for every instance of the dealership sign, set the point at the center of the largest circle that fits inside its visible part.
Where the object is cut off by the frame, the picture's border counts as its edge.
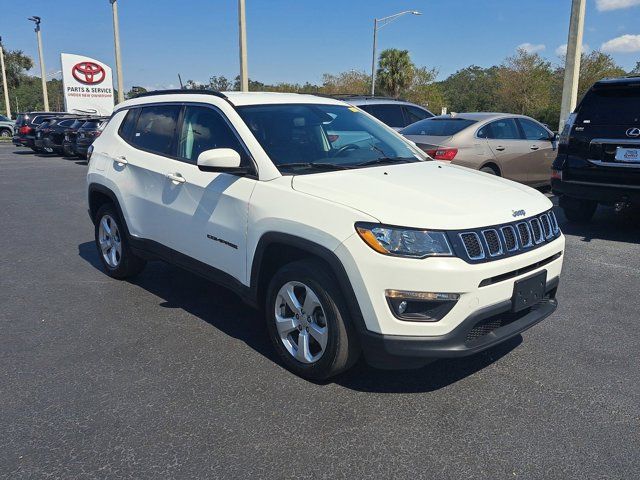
(88, 85)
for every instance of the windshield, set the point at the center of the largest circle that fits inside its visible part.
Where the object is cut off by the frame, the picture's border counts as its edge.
(438, 127)
(300, 138)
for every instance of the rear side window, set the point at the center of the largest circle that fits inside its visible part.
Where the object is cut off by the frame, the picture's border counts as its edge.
(438, 127)
(415, 114)
(128, 124)
(504, 129)
(66, 123)
(389, 114)
(156, 128)
(617, 105)
(533, 131)
(203, 129)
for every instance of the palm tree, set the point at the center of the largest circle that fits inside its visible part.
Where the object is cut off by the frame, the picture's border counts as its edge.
(395, 71)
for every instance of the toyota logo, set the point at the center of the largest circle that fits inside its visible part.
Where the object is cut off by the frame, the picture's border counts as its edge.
(88, 72)
(633, 132)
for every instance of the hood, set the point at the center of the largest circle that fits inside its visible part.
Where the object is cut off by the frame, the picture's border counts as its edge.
(431, 194)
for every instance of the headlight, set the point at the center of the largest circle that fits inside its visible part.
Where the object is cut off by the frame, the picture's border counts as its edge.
(404, 242)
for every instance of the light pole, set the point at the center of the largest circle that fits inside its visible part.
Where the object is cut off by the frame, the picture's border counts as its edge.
(5, 87)
(379, 23)
(116, 41)
(242, 24)
(45, 94)
(572, 61)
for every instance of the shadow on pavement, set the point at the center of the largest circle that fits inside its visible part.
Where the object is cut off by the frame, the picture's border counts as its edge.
(225, 311)
(607, 224)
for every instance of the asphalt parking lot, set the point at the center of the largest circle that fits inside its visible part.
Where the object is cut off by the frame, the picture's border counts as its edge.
(170, 376)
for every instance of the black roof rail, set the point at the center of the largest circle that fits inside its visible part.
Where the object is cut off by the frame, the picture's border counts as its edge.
(173, 91)
(342, 96)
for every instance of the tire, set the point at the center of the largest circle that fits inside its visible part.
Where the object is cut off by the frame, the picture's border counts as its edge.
(577, 210)
(5, 133)
(116, 257)
(489, 170)
(329, 315)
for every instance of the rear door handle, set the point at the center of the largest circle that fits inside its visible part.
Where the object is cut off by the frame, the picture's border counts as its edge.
(122, 160)
(534, 147)
(176, 178)
(500, 148)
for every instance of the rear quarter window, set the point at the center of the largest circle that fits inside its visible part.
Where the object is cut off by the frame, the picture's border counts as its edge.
(128, 124)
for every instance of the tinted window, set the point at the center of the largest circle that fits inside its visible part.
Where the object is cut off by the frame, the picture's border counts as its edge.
(505, 129)
(438, 127)
(39, 119)
(533, 131)
(415, 114)
(156, 128)
(203, 129)
(389, 114)
(611, 106)
(20, 119)
(128, 124)
(66, 123)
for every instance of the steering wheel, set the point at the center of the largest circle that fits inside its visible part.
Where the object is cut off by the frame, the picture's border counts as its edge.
(346, 148)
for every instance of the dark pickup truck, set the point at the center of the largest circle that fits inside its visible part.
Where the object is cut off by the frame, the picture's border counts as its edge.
(598, 158)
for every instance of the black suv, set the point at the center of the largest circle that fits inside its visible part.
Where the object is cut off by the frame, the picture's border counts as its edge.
(26, 124)
(599, 150)
(50, 134)
(70, 134)
(90, 130)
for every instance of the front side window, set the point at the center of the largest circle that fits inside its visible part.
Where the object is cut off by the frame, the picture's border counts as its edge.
(302, 138)
(533, 131)
(504, 129)
(155, 129)
(389, 114)
(203, 129)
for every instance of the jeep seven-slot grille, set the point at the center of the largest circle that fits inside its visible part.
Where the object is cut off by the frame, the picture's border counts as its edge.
(500, 241)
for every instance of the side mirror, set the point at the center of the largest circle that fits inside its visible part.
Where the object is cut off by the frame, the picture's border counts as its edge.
(220, 160)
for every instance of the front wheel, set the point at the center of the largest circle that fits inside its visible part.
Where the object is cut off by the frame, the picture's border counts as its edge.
(116, 255)
(308, 321)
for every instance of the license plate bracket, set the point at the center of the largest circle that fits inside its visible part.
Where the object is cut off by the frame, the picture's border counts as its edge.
(528, 291)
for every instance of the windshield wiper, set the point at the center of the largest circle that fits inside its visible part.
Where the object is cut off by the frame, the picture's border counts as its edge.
(382, 160)
(314, 165)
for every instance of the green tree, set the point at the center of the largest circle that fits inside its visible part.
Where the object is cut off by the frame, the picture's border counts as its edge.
(424, 90)
(596, 66)
(395, 71)
(524, 84)
(351, 82)
(471, 89)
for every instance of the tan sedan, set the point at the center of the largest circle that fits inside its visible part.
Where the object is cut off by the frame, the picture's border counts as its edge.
(512, 146)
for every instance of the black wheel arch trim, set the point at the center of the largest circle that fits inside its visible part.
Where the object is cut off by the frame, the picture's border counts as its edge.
(314, 249)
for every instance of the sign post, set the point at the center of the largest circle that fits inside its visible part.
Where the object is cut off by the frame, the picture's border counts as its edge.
(88, 85)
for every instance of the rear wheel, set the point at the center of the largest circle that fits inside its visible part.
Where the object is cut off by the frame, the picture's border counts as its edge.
(308, 321)
(113, 245)
(577, 210)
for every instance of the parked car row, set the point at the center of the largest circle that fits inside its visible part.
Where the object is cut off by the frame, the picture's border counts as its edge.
(57, 132)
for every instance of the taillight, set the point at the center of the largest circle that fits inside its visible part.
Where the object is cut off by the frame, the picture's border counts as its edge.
(563, 138)
(447, 154)
(24, 130)
(556, 174)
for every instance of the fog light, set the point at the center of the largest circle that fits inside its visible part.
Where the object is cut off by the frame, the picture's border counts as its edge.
(420, 306)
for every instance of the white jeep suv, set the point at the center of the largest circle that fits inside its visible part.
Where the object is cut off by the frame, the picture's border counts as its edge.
(350, 238)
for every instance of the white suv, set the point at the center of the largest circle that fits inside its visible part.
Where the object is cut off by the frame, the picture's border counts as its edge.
(369, 247)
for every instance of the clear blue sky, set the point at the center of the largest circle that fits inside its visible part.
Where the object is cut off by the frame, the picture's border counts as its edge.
(299, 40)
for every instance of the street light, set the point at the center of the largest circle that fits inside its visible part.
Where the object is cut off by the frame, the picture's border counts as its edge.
(45, 94)
(5, 87)
(379, 23)
(116, 41)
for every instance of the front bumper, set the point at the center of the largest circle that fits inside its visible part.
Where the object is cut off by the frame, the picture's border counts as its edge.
(481, 330)
(603, 193)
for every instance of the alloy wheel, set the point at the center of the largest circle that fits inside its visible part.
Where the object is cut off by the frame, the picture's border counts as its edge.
(110, 241)
(301, 322)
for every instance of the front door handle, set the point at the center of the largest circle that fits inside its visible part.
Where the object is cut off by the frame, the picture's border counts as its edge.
(500, 148)
(534, 147)
(176, 178)
(122, 160)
